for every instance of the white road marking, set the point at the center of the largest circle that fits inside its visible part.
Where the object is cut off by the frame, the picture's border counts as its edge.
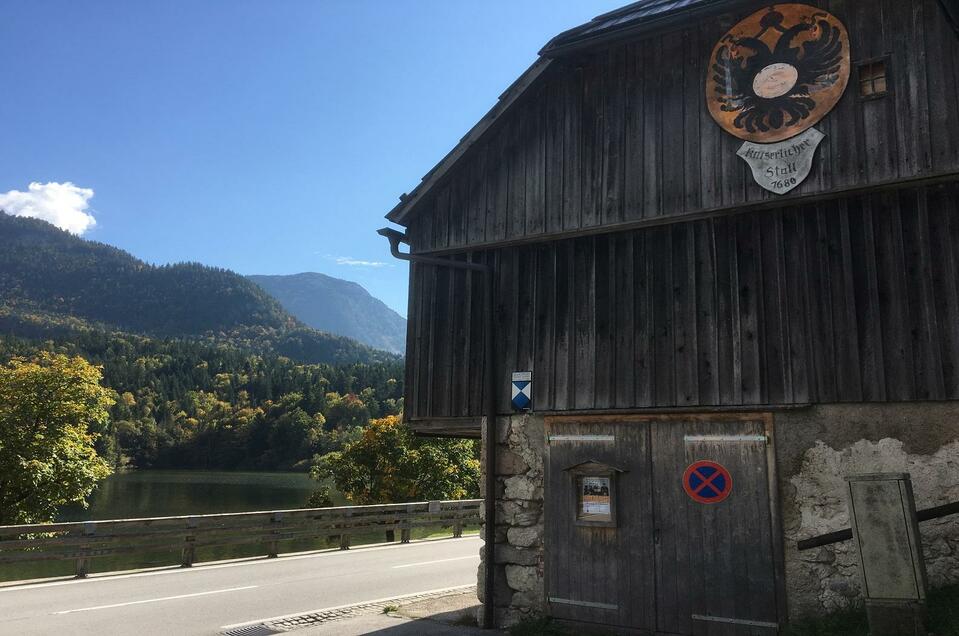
(157, 600)
(205, 567)
(413, 565)
(330, 609)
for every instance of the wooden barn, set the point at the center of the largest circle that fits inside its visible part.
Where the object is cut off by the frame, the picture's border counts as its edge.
(699, 262)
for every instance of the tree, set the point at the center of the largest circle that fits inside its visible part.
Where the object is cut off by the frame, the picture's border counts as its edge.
(388, 464)
(47, 458)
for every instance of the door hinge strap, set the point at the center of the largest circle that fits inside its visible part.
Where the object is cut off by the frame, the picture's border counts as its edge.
(582, 438)
(735, 621)
(725, 438)
(566, 601)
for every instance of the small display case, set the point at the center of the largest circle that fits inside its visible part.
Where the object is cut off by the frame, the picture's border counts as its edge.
(594, 485)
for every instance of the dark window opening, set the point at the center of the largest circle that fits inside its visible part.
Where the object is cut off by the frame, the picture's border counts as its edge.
(873, 79)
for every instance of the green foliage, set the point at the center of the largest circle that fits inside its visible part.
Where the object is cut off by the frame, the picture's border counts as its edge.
(47, 458)
(388, 464)
(184, 404)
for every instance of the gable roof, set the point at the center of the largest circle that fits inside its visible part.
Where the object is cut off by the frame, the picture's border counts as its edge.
(619, 23)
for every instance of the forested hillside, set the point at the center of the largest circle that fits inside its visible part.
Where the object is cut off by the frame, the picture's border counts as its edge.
(49, 277)
(185, 404)
(338, 306)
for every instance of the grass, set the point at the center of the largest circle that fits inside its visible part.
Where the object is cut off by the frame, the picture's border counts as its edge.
(943, 605)
(387, 609)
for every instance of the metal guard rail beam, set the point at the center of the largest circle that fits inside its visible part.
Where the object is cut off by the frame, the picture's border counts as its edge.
(846, 533)
(85, 540)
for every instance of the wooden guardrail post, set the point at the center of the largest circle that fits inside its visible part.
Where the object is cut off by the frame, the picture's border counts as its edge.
(274, 548)
(188, 553)
(344, 534)
(83, 562)
(405, 532)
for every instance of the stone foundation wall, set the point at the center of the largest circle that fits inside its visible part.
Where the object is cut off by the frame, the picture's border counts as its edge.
(817, 447)
(519, 519)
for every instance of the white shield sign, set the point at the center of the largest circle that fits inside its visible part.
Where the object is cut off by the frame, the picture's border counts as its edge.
(782, 166)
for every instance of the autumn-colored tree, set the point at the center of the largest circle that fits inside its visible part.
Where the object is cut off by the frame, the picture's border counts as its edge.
(388, 464)
(47, 458)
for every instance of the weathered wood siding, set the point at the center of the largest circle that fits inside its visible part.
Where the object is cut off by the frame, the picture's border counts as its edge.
(850, 299)
(622, 135)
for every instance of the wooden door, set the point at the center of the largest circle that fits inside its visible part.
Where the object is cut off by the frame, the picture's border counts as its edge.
(693, 560)
(715, 562)
(600, 574)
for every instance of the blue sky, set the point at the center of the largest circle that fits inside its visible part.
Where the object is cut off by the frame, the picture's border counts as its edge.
(268, 137)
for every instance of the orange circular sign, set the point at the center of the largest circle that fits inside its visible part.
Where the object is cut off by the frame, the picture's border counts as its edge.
(778, 72)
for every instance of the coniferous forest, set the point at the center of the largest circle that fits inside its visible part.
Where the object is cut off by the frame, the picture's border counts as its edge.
(208, 370)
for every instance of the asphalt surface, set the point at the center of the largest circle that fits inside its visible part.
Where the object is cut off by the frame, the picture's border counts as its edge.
(206, 598)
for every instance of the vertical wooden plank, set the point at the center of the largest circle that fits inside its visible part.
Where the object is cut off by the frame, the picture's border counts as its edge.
(706, 312)
(604, 327)
(750, 307)
(543, 362)
(443, 344)
(624, 328)
(516, 198)
(907, 36)
(555, 113)
(441, 217)
(477, 336)
(672, 98)
(643, 328)
(664, 358)
(427, 366)
(942, 88)
(573, 132)
(497, 184)
(536, 164)
(415, 329)
(777, 375)
(459, 206)
(710, 135)
(819, 306)
(584, 311)
(944, 234)
(728, 319)
(460, 342)
(476, 205)
(793, 238)
(594, 125)
(563, 313)
(927, 360)
(652, 129)
(693, 107)
(683, 301)
(862, 240)
(525, 308)
(633, 157)
(614, 136)
(843, 301)
(897, 345)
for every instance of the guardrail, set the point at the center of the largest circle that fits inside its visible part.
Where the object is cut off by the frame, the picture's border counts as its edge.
(86, 540)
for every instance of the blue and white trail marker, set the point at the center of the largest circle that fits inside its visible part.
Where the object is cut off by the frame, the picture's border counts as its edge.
(522, 390)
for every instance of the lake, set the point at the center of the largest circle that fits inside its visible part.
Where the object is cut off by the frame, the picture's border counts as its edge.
(160, 493)
(163, 493)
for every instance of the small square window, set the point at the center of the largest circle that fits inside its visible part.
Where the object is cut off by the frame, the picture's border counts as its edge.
(873, 79)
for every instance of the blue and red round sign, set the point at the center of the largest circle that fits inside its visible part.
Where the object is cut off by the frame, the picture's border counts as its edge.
(707, 482)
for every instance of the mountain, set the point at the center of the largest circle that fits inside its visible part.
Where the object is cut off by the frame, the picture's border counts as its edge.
(50, 279)
(338, 306)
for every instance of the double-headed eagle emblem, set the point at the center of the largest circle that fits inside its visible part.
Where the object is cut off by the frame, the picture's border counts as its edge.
(778, 72)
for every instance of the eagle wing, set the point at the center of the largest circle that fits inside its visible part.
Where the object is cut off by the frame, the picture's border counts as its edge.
(733, 78)
(821, 59)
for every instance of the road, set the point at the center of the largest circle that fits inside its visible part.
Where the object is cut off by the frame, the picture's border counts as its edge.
(205, 598)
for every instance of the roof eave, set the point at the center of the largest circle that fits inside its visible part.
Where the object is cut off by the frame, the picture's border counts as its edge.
(515, 90)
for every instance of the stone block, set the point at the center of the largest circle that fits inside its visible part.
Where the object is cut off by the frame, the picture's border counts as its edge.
(509, 463)
(523, 487)
(525, 537)
(518, 556)
(524, 578)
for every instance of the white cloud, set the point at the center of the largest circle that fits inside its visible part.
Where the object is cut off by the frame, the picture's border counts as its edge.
(62, 204)
(353, 262)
